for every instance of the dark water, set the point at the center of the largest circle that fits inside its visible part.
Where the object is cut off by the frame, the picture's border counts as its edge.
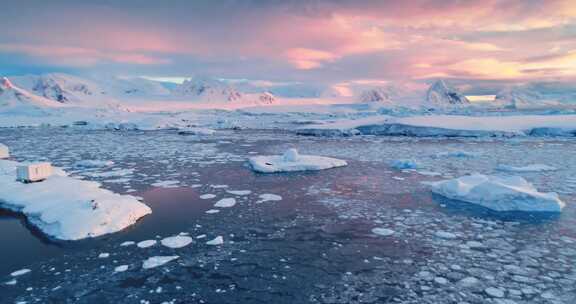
(316, 244)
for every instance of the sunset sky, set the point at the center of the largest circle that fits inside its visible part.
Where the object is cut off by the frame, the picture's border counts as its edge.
(319, 41)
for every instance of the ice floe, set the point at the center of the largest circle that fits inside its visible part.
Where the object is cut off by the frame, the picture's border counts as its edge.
(177, 241)
(156, 261)
(239, 192)
(20, 272)
(67, 208)
(146, 243)
(498, 193)
(225, 203)
(166, 184)
(269, 197)
(219, 240)
(291, 161)
(121, 268)
(383, 231)
(207, 196)
(4, 151)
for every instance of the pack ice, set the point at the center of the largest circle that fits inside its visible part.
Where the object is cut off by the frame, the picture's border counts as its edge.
(291, 161)
(66, 208)
(511, 193)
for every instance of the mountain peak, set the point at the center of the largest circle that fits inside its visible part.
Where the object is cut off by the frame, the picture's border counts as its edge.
(442, 94)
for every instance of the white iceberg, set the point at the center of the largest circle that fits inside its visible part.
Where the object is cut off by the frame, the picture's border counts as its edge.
(66, 208)
(498, 193)
(225, 203)
(291, 161)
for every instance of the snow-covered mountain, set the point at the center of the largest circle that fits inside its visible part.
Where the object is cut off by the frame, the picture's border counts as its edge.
(13, 98)
(441, 94)
(208, 89)
(521, 98)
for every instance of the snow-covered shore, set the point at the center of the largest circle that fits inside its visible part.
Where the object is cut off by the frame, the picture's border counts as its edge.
(66, 208)
(449, 125)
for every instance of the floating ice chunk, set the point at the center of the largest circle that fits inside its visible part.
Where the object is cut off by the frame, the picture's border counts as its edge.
(156, 261)
(498, 193)
(212, 211)
(292, 161)
(92, 163)
(4, 151)
(403, 164)
(207, 196)
(445, 235)
(239, 192)
(219, 186)
(178, 241)
(219, 240)
(225, 203)
(166, 184)
(20, 272)
(383, 231)
(121, 268)
(196, 131)
(528, 168)
(127, 243)
(146, 243)
(269, 197)
(67, 208)
(104, 255)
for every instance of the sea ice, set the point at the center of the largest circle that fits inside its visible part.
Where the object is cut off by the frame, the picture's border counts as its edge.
(67, 208)
(20, 272)
(178, 241)
(156, 261)
(269, 197)
(219, 240)
(121, 268)
(383, 231)
(146, 243)
(207, 196)
(225, 203)
(498, 193)
(528, 168)
(239, 192)
(166, 184)
(292, 161)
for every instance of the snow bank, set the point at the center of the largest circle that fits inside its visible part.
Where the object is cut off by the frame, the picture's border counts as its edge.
(291, 161)
(66, 208)
(498, 193)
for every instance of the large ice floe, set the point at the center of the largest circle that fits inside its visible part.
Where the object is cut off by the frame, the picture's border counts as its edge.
(498, 193)
(66, 208)
(291, 161)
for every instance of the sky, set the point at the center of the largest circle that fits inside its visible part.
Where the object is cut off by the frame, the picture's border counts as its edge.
(474, 42)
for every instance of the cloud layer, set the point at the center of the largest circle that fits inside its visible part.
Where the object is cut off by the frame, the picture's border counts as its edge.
(322, 41)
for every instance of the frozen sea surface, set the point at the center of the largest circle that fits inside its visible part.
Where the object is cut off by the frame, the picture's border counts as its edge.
(315, 245)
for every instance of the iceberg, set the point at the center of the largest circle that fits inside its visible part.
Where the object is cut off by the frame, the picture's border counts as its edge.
(291, 161)
(66, 208)
(512, 193)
